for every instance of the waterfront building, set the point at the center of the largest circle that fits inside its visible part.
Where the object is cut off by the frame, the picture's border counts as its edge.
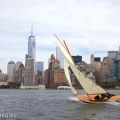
(17, 65)
(39, 66)
(102, 74)
(54, 74)
(29, 71)
(39, 72)
(39, 78)
(21, 73)
(1, 76)
(5, 77)
(115, 66)
(95, 64)
(112, 54)
(117, 69)
(60, 56)
(32, 48)
(10, 70)
(16, 74)
(100, 69)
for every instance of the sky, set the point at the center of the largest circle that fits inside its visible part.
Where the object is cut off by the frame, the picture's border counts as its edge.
(87, 26)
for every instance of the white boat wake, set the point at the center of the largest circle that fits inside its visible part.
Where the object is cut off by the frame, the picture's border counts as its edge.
(73, 99)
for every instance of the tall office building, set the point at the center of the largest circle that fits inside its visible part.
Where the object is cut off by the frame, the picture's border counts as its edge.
(60, 56)
(39, 72)
(21, 73)
(32, 47)
(39, 66)
(17, 65)
(16, 74)
(10, 70)
(29, 72)
(112, 54)
(77, 59)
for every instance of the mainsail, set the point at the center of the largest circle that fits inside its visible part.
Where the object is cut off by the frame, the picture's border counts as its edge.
(88, 85)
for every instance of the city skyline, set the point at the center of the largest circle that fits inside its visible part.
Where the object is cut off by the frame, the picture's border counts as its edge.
(88, 27)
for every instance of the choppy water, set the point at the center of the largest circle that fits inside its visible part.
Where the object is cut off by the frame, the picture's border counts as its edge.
(54, 105)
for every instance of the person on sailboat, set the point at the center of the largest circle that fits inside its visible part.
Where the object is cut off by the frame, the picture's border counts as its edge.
(98, 97)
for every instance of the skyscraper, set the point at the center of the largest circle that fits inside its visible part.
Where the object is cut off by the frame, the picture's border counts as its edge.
(32, 46)
(32, 49)
(77, 59)
(39, 66)
(29, 71)
(10, 70)
(60, 57)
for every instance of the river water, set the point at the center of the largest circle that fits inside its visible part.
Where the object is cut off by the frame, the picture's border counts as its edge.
(17, 104)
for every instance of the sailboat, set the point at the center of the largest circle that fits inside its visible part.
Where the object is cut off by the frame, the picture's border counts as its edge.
(94, 92)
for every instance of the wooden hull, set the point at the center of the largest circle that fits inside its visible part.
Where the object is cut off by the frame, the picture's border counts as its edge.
(90, 98)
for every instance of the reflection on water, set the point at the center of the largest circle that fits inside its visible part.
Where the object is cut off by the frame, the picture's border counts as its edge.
(54, 105)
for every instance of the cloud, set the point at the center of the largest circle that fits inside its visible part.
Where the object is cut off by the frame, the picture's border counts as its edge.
(88, 27)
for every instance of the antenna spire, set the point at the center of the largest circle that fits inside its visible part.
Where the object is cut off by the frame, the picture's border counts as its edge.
(32, 30)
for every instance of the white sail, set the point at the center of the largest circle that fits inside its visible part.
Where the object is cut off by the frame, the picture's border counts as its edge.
(68, 76)
(88, 85)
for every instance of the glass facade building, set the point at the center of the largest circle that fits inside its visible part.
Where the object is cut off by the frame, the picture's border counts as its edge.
(77, 59)
(39, 66)
(112, 70)
(31, 46)
(117, 69)
(112, 54)
(97, 59)
(32, 49)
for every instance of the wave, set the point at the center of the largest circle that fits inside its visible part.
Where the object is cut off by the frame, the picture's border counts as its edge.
(73, 99)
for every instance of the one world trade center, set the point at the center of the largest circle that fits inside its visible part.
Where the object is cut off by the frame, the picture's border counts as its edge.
(32, 48)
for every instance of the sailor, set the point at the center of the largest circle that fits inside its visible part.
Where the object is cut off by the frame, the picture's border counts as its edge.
(100, 96)
(96, 97)
(105, 98)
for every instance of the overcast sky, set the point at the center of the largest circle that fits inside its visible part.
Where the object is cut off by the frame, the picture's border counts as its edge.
(87, 26)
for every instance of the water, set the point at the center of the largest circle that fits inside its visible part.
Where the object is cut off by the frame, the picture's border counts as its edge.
(54, 105)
